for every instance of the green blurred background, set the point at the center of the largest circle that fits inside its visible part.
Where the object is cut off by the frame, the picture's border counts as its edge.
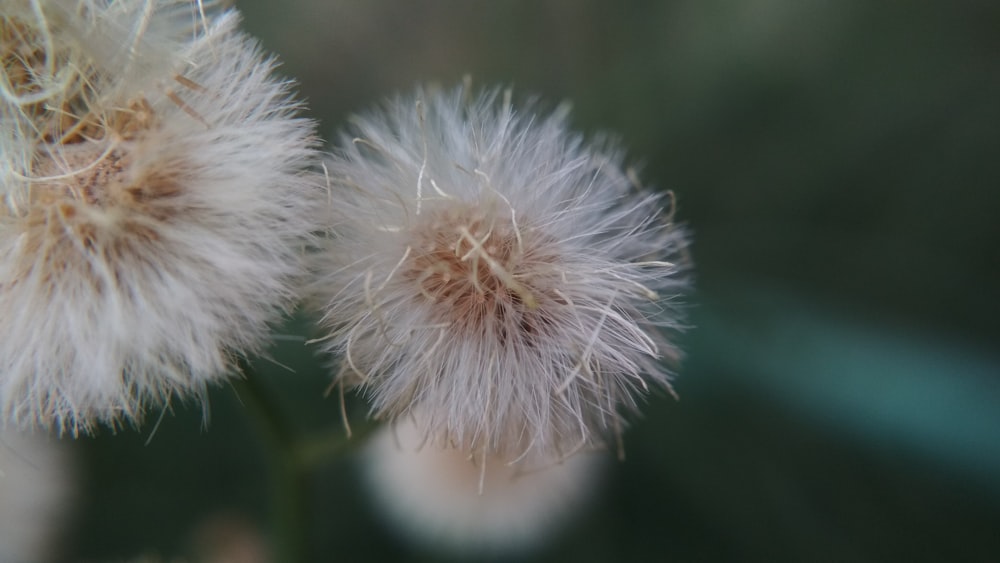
(838, 165)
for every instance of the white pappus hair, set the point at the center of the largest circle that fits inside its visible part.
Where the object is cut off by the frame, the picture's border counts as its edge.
(155, 192)
(497, 271)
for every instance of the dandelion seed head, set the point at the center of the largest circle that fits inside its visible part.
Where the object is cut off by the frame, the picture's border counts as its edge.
(499, 272)
(443, 497)
(149, 240)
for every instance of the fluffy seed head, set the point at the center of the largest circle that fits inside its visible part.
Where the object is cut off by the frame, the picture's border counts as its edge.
(493, 269)
(444, 497)
(154, 202)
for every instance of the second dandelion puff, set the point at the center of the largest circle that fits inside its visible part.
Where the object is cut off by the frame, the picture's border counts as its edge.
(499, 273)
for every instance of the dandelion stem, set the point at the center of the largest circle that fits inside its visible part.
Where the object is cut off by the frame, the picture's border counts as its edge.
(293, 458)
(289, 480)
(325, 447)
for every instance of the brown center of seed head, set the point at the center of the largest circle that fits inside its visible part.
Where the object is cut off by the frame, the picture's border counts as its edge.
(84, 175)
(78, 174)
(485, 275)
(87, 203)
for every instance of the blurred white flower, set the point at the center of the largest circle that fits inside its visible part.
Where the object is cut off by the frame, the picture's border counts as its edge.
(493, 269)
(155, 199)
(444, 498)
(36, 492)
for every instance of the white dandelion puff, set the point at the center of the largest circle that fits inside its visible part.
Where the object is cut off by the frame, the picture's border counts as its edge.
(155, 199)
(441, 496)
(497, 271)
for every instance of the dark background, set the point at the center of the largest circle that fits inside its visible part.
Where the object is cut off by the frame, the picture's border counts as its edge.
(838, 165)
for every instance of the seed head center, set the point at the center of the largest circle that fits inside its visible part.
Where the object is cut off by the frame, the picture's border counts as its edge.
(471, 264)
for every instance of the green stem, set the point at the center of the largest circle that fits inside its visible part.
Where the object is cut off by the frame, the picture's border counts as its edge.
(292, 461)
(288, 493)
(314, 451)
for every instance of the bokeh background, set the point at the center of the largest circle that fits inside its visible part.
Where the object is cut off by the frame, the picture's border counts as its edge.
(839, 166)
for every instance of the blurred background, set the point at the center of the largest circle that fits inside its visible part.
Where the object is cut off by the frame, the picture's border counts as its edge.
(839, 166)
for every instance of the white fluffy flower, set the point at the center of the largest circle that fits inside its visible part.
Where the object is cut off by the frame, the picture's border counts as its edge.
(154, 202)
(495, 270)
(443, 497)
